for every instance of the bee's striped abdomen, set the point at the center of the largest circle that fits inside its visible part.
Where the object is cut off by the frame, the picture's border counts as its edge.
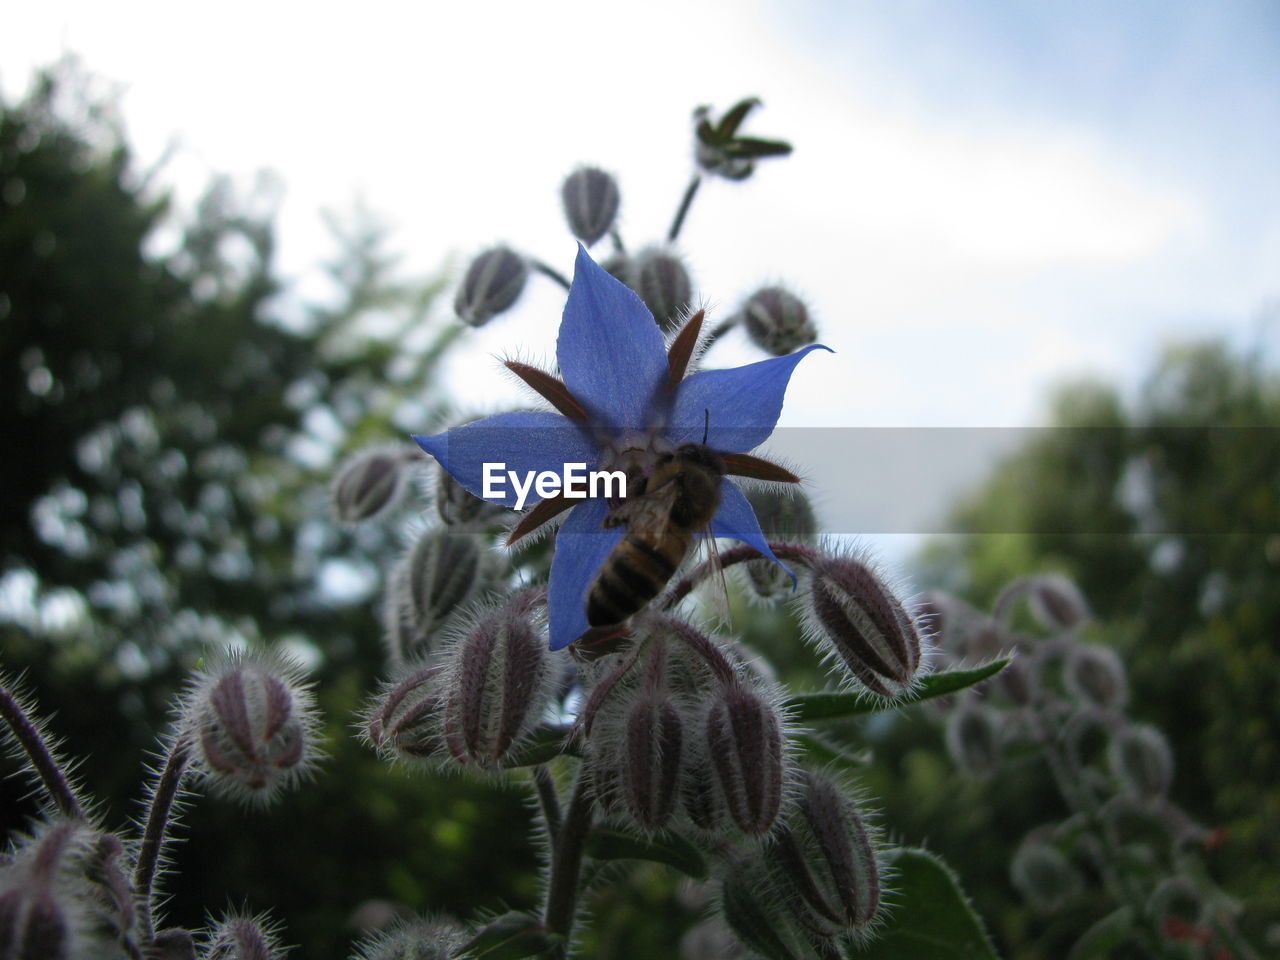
(633, 574)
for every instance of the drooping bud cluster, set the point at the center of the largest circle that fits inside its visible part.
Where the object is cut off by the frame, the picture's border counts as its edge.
(369, 485)
(492, 284)
(862, 626)
(498, 677)
(778, 321)
(590, 198)
(252, 724)
(243, 938)
(420, 939)
(662, 281)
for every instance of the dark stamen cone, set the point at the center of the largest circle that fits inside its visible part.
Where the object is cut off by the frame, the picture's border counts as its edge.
(744, 740)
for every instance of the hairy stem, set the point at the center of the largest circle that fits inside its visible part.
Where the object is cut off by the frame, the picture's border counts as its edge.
(42, 759)
(549, 271)
(798, 553)
(718, 331)
(685, 203)
(156, 830)
(566, 863)
(548, 800)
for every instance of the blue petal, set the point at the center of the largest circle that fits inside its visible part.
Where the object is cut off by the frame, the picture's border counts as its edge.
(736, 520)
(525, 441)
(611, 353)
(740, 406)
(581, 547)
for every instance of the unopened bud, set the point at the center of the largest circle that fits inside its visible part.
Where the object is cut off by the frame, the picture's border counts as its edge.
(1057, 603)
(367, 485)
(784, 514)
(456, 505)
(173, 944)
(1020, 679)
(1046, 879)
(404, 722)
(590, 198)
(777, 321)
(651, 771)
(744, 740)
(499, 677)
(1096, 675)
(493, 282)
(253, 725)
(973, 741)
(865, 627)
(243, 938)
(427, 939)
(618, 266)
(699, 794)
(831, 857)
(442, 574)
(757, 906)
(1142, 760)
(663, 283)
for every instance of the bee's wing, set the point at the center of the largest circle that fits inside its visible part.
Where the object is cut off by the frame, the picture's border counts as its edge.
(649, 509)
(716, 595)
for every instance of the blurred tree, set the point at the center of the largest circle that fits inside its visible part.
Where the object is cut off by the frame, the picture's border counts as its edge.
(1166, 510)
(170, 439)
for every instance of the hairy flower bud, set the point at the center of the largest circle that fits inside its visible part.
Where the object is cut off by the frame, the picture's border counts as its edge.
(418, 939)
(778, 321)
(243, 938)
(498, 677)
(651, 772)
(1020, 679)
(784, 514)
(253, 725)
(663, 283)
(1057, 603)
(745, 743)
(1096, 675)
(456, 505)
(758, 906)
(368, 485)
(1046, 879)
(404, 721)
(441, 574)
(865, 627)
(830, 856)
(973, 741)
(590, 197)
(1142, 760)
(173, 944)
(493, 282)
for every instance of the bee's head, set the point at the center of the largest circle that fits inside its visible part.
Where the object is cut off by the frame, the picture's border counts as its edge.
(700, 455)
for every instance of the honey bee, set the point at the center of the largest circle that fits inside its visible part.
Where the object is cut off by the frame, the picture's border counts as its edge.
(677, 500)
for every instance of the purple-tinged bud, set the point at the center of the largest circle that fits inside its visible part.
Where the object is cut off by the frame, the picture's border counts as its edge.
(830, 856)
(1046, 879)
(864, 627)
(1143, 762)
(699, 795)
(973, 741)
(618, 266)
(499, 677)
(1057, 603)
(1020, 680)
(1095, 675)
(745, 743)
(243, 938)
(173, 944)
(425, 939)
(254, 725)
(784, 514)
(591, 199)
(456, 505)
(493, 283)
(368, 485)
(402, 633)
(778, 321)
(985, 641)
(759, 908)
(404, 722)
(45, 931)
(663, 283)
(442, 574)
(651, 771)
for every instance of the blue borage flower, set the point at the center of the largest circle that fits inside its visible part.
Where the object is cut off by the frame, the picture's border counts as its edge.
(623, 401)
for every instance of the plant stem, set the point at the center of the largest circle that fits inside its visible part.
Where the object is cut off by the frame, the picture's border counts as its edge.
(42, 759)
(685, 203)
(566, 863)
(159, 814)
(549, 271)
(545, 784)
(718, 331)
(795, 552)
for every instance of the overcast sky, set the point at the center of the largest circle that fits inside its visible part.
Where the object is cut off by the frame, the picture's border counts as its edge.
(985, 198)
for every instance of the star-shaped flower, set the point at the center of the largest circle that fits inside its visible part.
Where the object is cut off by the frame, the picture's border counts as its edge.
(624, 401)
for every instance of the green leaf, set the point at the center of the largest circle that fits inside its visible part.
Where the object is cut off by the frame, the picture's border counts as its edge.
(821, 751)
(669, 848)
(543, 746)
(930, 919)
(830, 706)
(1099, 940)
(509, 937)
